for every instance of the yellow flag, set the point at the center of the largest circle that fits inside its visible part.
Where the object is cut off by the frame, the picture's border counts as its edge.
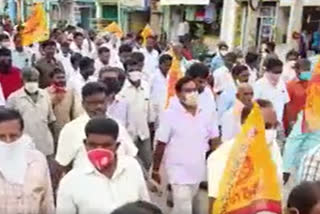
(250, 183)
(115, 29)
(36, 27)
(146, 32)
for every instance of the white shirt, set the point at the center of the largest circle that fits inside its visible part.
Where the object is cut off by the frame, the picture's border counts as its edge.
(66, 62)
(119, 109)
(2, 99)
(84, 50)
(77, 83)
(71, 147)
(230, 125)
(289, 72)
(85, 190)
(140, 111)
(98, 65)
(158, 95)
(223, 79)
(277, 95)
(151, 62)
(253, 75)
(218, 159)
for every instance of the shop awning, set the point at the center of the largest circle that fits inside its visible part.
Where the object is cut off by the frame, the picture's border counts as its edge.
(184, 2)
(305, 2)
(133, 3)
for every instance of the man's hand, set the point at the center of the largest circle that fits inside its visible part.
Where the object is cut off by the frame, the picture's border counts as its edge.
(156, 177)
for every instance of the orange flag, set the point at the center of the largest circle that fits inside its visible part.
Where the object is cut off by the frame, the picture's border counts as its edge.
(115, 29)
(250, 183)
(36, 27)
(146, 32)
(174, 75)
(312, 107)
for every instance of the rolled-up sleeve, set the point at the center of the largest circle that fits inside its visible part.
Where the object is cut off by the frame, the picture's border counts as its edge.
(164, 132)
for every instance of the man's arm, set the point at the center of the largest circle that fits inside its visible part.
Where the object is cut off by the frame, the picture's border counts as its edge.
(157, 158)
(47, 205)
(65, 202)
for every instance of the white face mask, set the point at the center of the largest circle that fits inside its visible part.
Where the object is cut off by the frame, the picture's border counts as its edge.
(271, 135)
(192, 99)
(6, 45)
(223, 53)
(31, 87)
(135, 76)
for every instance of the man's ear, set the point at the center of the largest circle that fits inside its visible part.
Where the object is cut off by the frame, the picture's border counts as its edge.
(292, 210)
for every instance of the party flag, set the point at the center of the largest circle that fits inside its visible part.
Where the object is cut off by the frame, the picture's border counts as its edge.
(115, 29)
(311, 112)
(36, 27)
(250, 183)
(146, 32)
(174, 75)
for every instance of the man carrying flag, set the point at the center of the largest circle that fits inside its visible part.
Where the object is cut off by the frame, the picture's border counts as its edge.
(244, 174)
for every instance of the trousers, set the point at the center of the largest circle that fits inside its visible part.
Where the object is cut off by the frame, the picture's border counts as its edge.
(183, 197)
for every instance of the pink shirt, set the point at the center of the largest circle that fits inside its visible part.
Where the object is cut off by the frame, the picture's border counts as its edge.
(187, 138)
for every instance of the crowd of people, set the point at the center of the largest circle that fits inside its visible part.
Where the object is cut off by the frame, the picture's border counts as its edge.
(87, 123)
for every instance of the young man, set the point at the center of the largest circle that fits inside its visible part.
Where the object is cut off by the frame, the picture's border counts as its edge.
(159, 84)
(85, 75)
(217, 61)
(47, 63)
(252, 61)
(137, 93)
(289, 68)
(10, 76)
(102, 60)
(217, 161)
(231, 119)
(27, 188)
(184, 129)
(21, 56)
(117, 108)
(151, 56)
(77, 46)
(271, 87)
(70, 145)
(297, 93)
(35, 106)
(114, 180)
(65, 104)
(64, 56)
(125, 51)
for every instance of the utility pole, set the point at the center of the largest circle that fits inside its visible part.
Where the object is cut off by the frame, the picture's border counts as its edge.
(155, 16)
(295, 22)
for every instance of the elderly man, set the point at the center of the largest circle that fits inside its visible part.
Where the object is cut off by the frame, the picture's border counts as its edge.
(231, 120)
(27, 188)
(34, 105)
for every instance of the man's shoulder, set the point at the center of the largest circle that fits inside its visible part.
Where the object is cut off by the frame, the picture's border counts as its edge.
(129, 163)
(16, 94)
(221, 153)
(34, 155)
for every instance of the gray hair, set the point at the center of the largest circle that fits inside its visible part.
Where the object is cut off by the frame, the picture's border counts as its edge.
(29, 72)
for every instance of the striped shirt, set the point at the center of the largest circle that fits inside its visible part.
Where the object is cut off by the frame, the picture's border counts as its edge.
(310, 167)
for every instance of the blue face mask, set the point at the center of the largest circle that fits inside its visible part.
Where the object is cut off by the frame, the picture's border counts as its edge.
(306, 75)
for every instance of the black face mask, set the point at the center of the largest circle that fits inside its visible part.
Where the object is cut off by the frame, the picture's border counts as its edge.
(113, 84)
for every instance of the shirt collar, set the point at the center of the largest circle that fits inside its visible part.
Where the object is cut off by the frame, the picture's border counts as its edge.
(23, 94)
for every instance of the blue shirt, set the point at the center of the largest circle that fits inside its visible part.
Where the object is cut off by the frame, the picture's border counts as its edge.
(217, 62)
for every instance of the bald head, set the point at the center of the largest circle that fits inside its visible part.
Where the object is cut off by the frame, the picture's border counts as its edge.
(245, 94)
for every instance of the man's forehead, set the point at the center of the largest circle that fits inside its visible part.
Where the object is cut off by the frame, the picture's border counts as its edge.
(269, 115)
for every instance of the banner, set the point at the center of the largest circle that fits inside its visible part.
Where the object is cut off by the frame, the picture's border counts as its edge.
(36, 27)
(115, 29)
(250, 183)
(184, 2)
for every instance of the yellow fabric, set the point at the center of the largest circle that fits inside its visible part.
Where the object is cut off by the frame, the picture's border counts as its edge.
(147, 31)
(115, 29)
(36, 27)
(174, 75)
(250, 175)
(312, 107)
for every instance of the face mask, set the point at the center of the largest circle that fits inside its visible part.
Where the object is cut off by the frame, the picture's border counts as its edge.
(271, 135)
(273, 78)
(223, 53)
(135, 76)
(101, 158)
(31, 87)
(306, 75)
(292, 63)
(6, 45)
(192, 99)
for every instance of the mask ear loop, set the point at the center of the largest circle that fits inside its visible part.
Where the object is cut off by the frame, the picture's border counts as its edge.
(292, 210)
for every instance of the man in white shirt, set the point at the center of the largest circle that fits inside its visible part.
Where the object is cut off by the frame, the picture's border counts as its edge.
(117, 108)
(86, 66)
(21, 56)
(224, 85)
(159, 86)
(200, 74)
(271, 87)
(183, 138)
(289, 68)
(70, 144)
(102, 60)
(78, 45)
(137, 93)
(231, 120)
(108, 181)
(252, 60)
(64, 56)
(218, 159)
(151, 58)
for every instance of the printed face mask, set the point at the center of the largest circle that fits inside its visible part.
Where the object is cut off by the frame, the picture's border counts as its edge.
(101, 158)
